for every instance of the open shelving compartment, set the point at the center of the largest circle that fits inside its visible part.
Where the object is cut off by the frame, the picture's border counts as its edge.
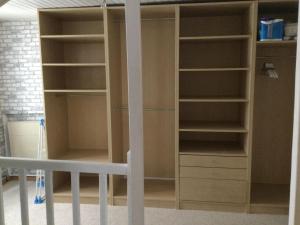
(76, 130)
(71, 22)
(158, 35)
(214, 78)
(279, 9)
(75, 93)
(215, 42)
(81, 79)
(212, 128)
(89, 189)
(272, 129)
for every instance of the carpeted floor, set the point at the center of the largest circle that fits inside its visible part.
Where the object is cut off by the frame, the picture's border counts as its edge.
(118, 215)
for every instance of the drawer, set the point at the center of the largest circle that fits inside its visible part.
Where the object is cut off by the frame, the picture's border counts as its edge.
(213, 173)
(206, 190)
(213, 161)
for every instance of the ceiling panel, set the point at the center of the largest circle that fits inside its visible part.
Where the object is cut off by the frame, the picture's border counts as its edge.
(26, 9)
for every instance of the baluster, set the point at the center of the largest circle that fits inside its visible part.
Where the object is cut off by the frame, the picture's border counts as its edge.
(49, 197)
(23, 197)
(75, 197)
(103, 199)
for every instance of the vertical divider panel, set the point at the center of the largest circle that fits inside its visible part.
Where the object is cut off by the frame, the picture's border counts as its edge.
(24, 197)
(250, 91)
(115, 93)
(108, 94)
(177, 33)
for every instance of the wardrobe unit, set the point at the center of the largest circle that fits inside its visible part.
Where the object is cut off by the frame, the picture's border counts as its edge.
(214, 104)
(207, 110)
(76, 90)
(273, 116)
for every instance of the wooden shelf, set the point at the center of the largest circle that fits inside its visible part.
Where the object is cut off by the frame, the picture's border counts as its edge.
(213, 8)
(290, 43)
(75, 38)
(89, 191)
(212, 99)
(196, 126)
(76, 91)
(95, 155)
(213, 69)
(214, 38)
(74, 64)
(79, 13)
(278, 1)
(270, 198)
(158, 193)
(211, 148)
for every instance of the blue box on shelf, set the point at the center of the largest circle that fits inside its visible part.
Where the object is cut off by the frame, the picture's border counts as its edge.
(271, 29)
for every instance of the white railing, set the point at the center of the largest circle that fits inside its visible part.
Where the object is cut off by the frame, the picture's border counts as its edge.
(73, 167)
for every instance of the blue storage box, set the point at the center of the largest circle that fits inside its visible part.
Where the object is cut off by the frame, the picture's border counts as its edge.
(271, 29)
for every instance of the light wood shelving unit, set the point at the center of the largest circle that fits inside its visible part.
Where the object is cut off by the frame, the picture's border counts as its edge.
(214, 83)
(77, 97)
(158, 35)
(273, 116)
(214, 125)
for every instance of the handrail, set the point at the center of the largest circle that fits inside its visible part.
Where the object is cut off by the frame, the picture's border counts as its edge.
(64, 165)
(74, 168)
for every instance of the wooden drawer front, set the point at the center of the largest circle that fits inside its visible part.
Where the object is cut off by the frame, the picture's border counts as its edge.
(206, 190)
(213, 161)
(213, 173)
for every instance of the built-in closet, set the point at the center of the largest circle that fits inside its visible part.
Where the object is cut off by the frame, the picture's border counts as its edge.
(217, 126)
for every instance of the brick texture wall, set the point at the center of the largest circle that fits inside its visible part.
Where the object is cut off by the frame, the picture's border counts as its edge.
(20, 73)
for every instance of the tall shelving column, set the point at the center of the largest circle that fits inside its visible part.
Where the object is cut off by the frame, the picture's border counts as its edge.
(77, 94)
(158, 95)
(273, 129)
(213, 105)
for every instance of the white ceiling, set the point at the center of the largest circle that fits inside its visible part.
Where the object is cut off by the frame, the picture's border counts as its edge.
(26, 9)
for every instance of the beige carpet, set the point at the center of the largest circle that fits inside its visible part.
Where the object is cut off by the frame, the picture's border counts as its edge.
(118, 215)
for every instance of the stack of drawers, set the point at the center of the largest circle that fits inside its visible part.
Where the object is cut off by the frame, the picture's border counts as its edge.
(219, 180)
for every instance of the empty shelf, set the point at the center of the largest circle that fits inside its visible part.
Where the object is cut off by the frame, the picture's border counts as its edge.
(213, 69)
(211, 148)
(270, 198)
(76, 91)
(75, 38)
(289, 43)
(196, 126)
(74, 64)
(95, 155)
(214, 38)
(158, 193)
(212, 99)
(89, 190)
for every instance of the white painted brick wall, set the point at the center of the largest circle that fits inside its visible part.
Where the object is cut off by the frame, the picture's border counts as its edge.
(20, 71)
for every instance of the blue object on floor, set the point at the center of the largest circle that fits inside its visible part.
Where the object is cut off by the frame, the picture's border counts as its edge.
(38, 200)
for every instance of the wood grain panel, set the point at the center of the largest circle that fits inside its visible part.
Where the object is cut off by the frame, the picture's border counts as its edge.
(213, 161)
(87, 122)
(213, 190)
(213, 173)
(272, 136)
